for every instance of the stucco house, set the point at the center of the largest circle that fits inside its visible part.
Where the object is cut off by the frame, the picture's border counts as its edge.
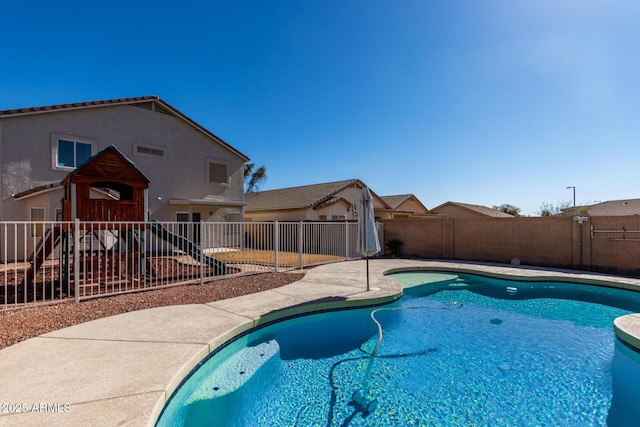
(608, 208)
(193, 174)
(406, 206)
(331, 201)
(466, 210)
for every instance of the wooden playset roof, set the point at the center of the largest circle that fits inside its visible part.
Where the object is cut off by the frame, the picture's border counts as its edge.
(109, 165)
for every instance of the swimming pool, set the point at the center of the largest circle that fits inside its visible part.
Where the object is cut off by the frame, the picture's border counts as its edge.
(499, 359)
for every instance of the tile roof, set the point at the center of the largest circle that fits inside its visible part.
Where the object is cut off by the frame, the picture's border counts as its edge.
(162, 106)
(483, 210)
(38, 189)
(76, 105)
(303, 197)
(397, 200)
(608, 208)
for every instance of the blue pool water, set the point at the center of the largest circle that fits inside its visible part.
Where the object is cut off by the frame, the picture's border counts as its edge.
(512, 354)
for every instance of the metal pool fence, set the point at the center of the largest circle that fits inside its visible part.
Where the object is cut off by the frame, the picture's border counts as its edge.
(47, 262)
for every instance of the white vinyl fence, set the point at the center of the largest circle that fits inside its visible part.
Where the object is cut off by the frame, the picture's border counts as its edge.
(48, 262)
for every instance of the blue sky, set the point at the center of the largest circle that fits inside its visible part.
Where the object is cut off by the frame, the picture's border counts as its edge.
(476, 101)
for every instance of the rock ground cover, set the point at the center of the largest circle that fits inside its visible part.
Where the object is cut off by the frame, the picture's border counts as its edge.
(19, 325)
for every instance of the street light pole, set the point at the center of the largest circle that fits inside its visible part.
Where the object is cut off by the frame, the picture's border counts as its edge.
(574, 194)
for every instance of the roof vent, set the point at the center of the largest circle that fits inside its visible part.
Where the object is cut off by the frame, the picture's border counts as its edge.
(145, 105)
(153, 106)
(159, 109)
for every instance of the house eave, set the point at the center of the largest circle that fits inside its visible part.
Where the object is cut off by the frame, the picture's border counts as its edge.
(206, 202)
(291, 208)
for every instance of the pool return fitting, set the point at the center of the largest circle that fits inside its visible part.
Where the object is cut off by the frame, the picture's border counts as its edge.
(360, 396)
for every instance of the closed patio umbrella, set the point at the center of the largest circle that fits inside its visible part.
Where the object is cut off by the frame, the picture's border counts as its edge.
(368, 242)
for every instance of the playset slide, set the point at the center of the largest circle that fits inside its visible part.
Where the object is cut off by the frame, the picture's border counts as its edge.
(188, 247)
(43, 249)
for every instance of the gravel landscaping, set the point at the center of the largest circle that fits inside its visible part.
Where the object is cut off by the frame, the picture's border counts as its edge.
(19, 325)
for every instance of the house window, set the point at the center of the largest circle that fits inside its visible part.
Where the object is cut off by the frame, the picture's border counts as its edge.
(218, 173)
(70, 152)
(37, 214)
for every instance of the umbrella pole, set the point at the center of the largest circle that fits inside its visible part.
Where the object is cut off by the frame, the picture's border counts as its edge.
(367, 272)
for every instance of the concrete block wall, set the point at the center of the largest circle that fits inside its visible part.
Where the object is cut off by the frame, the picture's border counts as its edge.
(533, 241)
(615, 245)
(560, 242)
(424, 238)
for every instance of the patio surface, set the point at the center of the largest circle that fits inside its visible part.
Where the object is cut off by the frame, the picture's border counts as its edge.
(120, 370)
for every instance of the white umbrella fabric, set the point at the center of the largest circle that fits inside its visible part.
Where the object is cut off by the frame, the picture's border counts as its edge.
(368, 241)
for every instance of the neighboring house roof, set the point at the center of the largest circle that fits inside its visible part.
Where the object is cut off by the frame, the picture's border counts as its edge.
(304, 197)
(397, 200)
(478, 209)
(331, 201)
(149, 102)
(608, 208)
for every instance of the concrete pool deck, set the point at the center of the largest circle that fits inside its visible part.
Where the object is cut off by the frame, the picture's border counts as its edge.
(121, 370)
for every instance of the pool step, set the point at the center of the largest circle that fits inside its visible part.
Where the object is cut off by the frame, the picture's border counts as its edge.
(458, 283)
(235, 371)
(465, 283)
